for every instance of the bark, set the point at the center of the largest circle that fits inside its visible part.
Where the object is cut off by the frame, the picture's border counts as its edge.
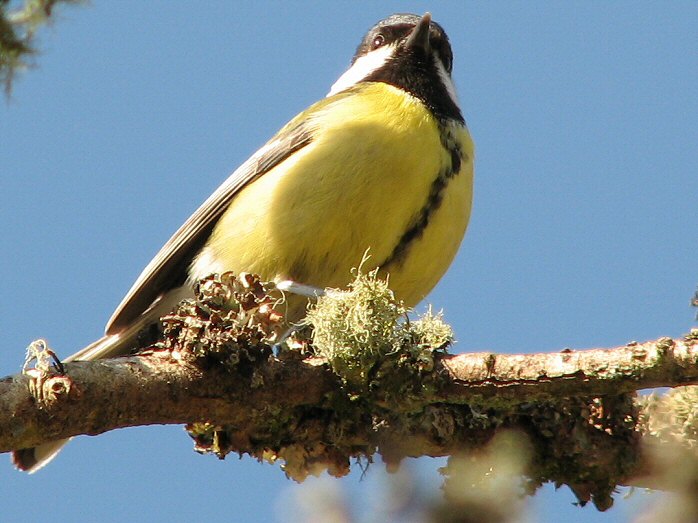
(576, 412)
(154, 387)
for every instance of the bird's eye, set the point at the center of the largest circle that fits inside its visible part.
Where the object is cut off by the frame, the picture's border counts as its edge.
(377, 41)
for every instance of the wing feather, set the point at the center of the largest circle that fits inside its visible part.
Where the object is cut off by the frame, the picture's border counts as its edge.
(169, 269)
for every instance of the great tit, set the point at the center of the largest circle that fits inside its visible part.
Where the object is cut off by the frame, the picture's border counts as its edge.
(383, 164)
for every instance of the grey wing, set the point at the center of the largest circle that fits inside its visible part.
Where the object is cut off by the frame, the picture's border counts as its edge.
(169, 269)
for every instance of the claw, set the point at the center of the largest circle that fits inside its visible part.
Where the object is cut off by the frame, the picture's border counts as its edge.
(47, 379)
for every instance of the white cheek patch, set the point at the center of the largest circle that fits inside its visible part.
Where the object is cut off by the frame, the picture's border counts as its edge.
(363, 66)
(446, 80)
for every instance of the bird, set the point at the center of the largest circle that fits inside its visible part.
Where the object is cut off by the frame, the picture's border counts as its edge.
(383, 164)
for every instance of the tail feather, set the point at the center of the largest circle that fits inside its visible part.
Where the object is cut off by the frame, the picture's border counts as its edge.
(32, 459)
(122, 342)
(36, 458)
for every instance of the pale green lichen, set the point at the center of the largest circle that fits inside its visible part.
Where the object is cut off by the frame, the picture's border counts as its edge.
(388, 375)
(431, 330)
(692, 336)
(364, 326)
(671, 416)
(355, 328)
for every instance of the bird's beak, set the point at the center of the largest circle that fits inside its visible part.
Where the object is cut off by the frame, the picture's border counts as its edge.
(419, 39)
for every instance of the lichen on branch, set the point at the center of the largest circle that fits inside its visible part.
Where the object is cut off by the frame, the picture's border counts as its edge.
(316, 403)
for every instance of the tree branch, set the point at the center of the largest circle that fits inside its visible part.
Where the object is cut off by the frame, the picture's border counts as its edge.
(664, 362)
(577, 410)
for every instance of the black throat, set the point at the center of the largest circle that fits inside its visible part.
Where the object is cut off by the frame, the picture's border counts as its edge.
(415, 72)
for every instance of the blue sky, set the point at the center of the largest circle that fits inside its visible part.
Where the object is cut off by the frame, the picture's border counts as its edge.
(583, 232)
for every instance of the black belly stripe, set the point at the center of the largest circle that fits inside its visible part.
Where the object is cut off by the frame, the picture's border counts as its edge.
(436, 192)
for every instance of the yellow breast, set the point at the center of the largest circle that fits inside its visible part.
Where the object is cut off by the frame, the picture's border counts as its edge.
(359, 185)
